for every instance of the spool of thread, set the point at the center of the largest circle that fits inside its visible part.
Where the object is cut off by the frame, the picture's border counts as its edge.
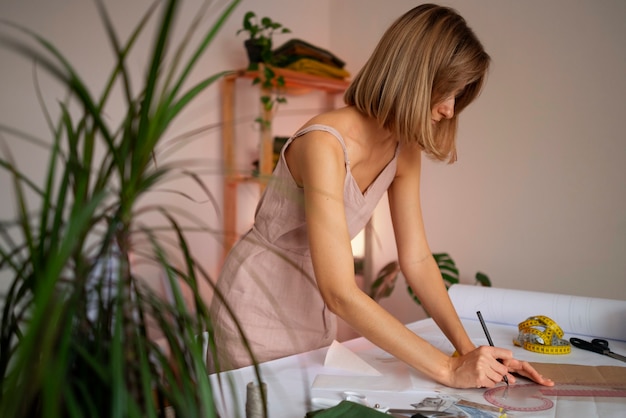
(255, 394)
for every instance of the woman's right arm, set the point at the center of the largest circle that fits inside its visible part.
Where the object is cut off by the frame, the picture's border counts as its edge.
(318, 166)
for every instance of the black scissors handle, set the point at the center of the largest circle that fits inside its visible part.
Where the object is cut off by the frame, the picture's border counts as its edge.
(597, 345)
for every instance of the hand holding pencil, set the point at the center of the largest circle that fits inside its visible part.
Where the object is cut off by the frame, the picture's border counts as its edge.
(482, 323)
(520, 367)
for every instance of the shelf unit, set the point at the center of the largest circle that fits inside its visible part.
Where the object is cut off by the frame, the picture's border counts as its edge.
(296, 83)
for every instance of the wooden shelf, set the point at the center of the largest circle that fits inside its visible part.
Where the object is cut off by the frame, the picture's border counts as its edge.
(295, 80)
(296, 83)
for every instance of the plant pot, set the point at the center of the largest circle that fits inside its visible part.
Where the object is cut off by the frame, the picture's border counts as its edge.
(255, 53)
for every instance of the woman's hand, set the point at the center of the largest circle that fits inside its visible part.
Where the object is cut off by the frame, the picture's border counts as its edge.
(485, 367)
(525, 369)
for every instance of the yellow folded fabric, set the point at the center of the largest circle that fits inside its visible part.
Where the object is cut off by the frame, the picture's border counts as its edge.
(310, 66)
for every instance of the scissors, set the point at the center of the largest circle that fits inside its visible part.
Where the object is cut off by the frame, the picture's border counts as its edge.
(597, 345)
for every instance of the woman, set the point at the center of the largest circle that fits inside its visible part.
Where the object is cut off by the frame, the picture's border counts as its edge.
(286, 278)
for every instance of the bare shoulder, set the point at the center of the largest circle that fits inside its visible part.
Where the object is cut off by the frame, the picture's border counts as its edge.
(337, 118)
(313, 154)
(347, 121)
(317, 148)
(315, 143)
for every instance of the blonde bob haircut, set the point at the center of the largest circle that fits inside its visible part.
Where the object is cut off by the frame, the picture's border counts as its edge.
(425, 57)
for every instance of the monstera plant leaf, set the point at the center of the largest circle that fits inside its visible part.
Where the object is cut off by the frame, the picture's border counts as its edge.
(385, 281)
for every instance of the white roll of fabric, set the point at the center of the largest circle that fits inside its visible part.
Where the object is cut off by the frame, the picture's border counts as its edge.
(595, 317)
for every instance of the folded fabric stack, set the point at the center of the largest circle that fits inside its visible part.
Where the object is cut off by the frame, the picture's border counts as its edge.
(302, 56)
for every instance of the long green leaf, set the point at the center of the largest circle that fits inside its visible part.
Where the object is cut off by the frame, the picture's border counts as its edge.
(176, 107)
(203, 46)
(146, 135)
(68, 76)
(85, 206)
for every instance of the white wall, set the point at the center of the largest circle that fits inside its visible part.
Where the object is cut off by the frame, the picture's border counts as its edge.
(537, 199)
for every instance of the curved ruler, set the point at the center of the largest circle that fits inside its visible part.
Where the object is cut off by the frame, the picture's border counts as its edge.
(541, 334)
(524, 398)
(531, 397)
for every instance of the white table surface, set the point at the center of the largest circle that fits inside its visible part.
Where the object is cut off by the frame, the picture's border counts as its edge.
(289, 380)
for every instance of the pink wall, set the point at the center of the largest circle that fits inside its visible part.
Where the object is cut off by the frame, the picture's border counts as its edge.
(537, 199)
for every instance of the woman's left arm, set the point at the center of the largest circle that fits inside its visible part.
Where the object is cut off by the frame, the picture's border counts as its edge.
(422, 273)
(416, 261)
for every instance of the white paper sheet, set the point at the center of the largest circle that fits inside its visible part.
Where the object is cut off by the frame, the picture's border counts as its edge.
(341, 357)
(370, 369)
(595, 317)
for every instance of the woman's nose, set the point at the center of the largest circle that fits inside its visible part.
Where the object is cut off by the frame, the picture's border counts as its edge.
(446, 109)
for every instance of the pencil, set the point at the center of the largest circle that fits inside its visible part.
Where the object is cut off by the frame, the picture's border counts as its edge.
(482, 322)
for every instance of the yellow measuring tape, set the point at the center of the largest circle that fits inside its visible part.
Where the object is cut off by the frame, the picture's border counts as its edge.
(541, 335)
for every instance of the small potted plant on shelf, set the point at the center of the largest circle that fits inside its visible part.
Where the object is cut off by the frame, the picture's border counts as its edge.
(259, 42)
(259, 48)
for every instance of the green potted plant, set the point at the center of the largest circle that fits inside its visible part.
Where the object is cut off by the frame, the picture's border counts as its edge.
(259, 46)
(386, 278)
(75, 321)
(260, 38)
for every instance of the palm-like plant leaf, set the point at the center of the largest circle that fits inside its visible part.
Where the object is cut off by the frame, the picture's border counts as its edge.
(76, 312)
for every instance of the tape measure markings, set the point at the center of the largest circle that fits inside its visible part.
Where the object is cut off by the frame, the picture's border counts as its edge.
(541, 334)
(557, 391)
